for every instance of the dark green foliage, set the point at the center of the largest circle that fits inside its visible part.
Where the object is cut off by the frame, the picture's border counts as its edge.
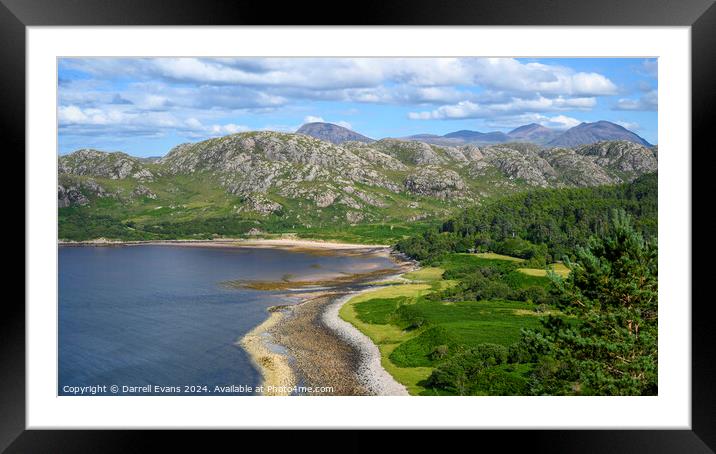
(489, 279)
(421, 350)
(517, 247)
(459, 373)
(75, 224)
(542, 225)
(612, 292)
(502, 380)
(607, 344)
(409, 318)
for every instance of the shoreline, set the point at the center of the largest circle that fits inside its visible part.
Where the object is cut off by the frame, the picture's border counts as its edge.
(233, 242)
(324, 349)
(320, 348)
(370, 370)
(277, 375)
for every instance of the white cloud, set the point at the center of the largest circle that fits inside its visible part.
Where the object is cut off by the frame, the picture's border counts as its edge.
(649, 101)
(313, 119)
(317, 119)
(193, 123)
(511, 74)
(95, 121)
(196, 127)
(556, 122)
(469, 109)
(345, 124)
(560, 122)
(650, 67)
(229, 128)
(631, 125)
(317, 75)
(71, 115)
(209, 96)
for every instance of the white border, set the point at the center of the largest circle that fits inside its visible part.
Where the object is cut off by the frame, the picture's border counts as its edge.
(671, 409)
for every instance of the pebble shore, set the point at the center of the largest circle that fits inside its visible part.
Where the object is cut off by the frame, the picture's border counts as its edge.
(323, 351)
(370, 373)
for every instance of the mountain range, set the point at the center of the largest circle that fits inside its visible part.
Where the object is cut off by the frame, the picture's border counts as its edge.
(270, 181)
(582, 134)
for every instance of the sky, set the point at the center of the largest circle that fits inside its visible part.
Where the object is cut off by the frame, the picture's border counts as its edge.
(146, 106)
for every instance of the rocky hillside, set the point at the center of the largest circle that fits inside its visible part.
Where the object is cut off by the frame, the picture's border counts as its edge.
(276, 181)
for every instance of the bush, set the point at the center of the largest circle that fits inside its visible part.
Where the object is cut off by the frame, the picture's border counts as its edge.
(459, 373)
(409, 318)
(420, 351)
(439, 352)
(534, 294)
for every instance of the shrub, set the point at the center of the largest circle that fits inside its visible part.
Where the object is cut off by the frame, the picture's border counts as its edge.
(458, 374)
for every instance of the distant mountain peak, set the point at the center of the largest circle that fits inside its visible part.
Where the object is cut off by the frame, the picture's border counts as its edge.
(534, 133)
(529, 127)
(587, 133)
(332, 133)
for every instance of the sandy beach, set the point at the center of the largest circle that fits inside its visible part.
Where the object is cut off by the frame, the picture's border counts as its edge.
(278, 376)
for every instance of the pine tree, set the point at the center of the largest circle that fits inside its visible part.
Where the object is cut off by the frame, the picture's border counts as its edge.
(608, 344)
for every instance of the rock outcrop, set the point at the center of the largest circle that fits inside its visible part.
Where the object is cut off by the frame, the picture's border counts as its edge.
(306, 181)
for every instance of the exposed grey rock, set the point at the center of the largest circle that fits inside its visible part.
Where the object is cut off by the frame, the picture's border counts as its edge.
(325, 199)
(411, 153)
(258, 161)
(354, 217)
(471, 152)
(70, 197)
(436, 182)
(116, 165)
(261, 205)
(577, 170)
(77, 191)
(526, 166)
(621, 156)
(360, 181)
(143, 191)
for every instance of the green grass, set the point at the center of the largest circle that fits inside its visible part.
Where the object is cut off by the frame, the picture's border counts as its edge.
(379, 311)
(386, 336)
(426, 274)
(559, 269)
(493, 256)
(408, 328)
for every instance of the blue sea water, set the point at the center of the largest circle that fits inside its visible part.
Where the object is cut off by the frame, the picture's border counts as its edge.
(158, 315)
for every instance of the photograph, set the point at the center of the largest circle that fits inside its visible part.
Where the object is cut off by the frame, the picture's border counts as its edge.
(357, 226)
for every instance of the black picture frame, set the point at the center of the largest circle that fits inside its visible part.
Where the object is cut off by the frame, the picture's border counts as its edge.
(16, 15)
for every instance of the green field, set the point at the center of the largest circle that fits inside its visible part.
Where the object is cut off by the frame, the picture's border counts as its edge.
(416, 331)
(559, 269)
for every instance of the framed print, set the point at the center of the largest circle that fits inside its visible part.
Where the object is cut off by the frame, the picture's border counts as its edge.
(446, 219)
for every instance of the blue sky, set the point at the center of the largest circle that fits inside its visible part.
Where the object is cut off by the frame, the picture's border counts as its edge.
(145, 106)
